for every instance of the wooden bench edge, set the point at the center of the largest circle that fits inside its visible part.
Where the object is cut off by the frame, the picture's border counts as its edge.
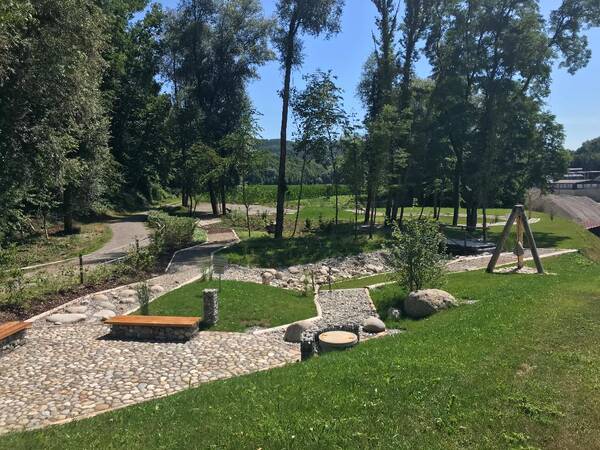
(119, 321)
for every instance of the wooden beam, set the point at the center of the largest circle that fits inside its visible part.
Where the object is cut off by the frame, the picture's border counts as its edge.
(532, 245)
(507, 227)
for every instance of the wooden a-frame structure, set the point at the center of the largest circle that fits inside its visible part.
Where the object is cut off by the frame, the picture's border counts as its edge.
(518, 214)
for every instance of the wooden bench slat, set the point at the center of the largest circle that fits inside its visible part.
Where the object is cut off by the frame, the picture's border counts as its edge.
(155, 321)
(9, 328)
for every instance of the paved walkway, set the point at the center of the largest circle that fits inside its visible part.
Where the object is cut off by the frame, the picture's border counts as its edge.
(70, 372)
(124, 233)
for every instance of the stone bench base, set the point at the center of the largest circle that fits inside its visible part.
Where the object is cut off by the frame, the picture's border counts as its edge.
(153, 333)
(12, 341)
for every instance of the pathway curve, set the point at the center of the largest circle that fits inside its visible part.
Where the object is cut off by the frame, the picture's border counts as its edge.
(124, 233)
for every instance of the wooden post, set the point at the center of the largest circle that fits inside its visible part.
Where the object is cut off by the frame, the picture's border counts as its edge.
(507, 227)
(80, 268)
(520, 256)
(532, 245)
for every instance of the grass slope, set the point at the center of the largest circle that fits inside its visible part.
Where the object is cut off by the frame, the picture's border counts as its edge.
(37, 250)
(518, 369)
(241, 305)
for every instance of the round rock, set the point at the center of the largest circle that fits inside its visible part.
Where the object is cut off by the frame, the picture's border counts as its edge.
(66, 318)
(76, 309)
(426, 302)
(100, 298)
(104, 314)
(127, 293)
(373, 325)
(128, 300)
(107, 305)
(394, 314)
(157, 289)
(294, 332)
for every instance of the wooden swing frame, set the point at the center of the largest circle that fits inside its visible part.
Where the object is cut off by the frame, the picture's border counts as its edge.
(523, 228)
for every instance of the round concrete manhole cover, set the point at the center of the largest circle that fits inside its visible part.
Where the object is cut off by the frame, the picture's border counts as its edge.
(337, 340)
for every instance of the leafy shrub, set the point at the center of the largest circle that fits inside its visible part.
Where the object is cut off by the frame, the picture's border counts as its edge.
(417, 252)
(143, 294)
(172, 232)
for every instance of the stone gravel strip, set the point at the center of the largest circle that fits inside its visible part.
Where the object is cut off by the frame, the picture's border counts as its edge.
(72, 372)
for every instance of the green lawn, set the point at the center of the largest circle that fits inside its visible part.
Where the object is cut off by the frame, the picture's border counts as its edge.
(241, 305)
(38, 250)
(518, 369)
(262, 250)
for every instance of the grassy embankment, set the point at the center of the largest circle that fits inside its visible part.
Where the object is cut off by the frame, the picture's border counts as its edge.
(518, 369)
(241, 305)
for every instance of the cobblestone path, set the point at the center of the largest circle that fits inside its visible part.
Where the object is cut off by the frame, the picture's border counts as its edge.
(69, 372)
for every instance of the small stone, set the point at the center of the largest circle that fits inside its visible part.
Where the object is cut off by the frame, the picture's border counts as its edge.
(77, 309)
(373, 325)
(157, 289)
(128, 301)
(100, 298)
(104, 314)
(294, 270)
(294, 332)
(127, 293)
(394, 314)
(279, 275)
(66, 318)
(107, 305)
(267, 277)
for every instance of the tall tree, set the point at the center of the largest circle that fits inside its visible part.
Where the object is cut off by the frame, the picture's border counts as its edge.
(294, 18)
(376, 88)
(321, 121)
(52, 116)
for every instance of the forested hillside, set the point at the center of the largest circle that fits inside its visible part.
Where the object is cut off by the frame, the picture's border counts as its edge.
(266, 172)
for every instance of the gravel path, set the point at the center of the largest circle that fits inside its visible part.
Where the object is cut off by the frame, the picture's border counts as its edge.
(124, 232)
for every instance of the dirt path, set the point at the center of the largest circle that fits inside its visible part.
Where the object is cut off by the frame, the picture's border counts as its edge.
(124, 233)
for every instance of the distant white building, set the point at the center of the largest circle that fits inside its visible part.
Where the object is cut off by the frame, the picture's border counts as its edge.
(583, 183)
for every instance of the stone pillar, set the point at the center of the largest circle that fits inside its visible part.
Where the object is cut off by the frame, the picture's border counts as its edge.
(211, 306)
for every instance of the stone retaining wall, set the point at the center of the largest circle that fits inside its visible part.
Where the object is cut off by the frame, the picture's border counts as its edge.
(10, 342)
(143, 333)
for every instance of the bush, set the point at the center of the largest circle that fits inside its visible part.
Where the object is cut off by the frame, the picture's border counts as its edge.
(172, 233)
(143, 294)
(418, 254)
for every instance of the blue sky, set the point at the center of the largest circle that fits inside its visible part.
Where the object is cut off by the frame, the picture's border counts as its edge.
(575, 100)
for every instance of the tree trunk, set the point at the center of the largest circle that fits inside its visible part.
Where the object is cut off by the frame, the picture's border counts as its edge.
(223, 197)
(355, 216)
(456, 185)
(368, 204)
(247, 206)
(281, 184)
(335, 188)
(300, 193)
(68, 210)
(484, 212)
(214, 204)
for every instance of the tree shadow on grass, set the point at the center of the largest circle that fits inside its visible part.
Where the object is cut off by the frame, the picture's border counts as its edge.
(309, 248)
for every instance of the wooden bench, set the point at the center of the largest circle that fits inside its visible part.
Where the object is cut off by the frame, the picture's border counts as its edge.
(155, 328)
(12, 334)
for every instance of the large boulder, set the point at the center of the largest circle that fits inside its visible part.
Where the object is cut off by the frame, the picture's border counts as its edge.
(373, 325)
(426, 302)
(294, 332)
